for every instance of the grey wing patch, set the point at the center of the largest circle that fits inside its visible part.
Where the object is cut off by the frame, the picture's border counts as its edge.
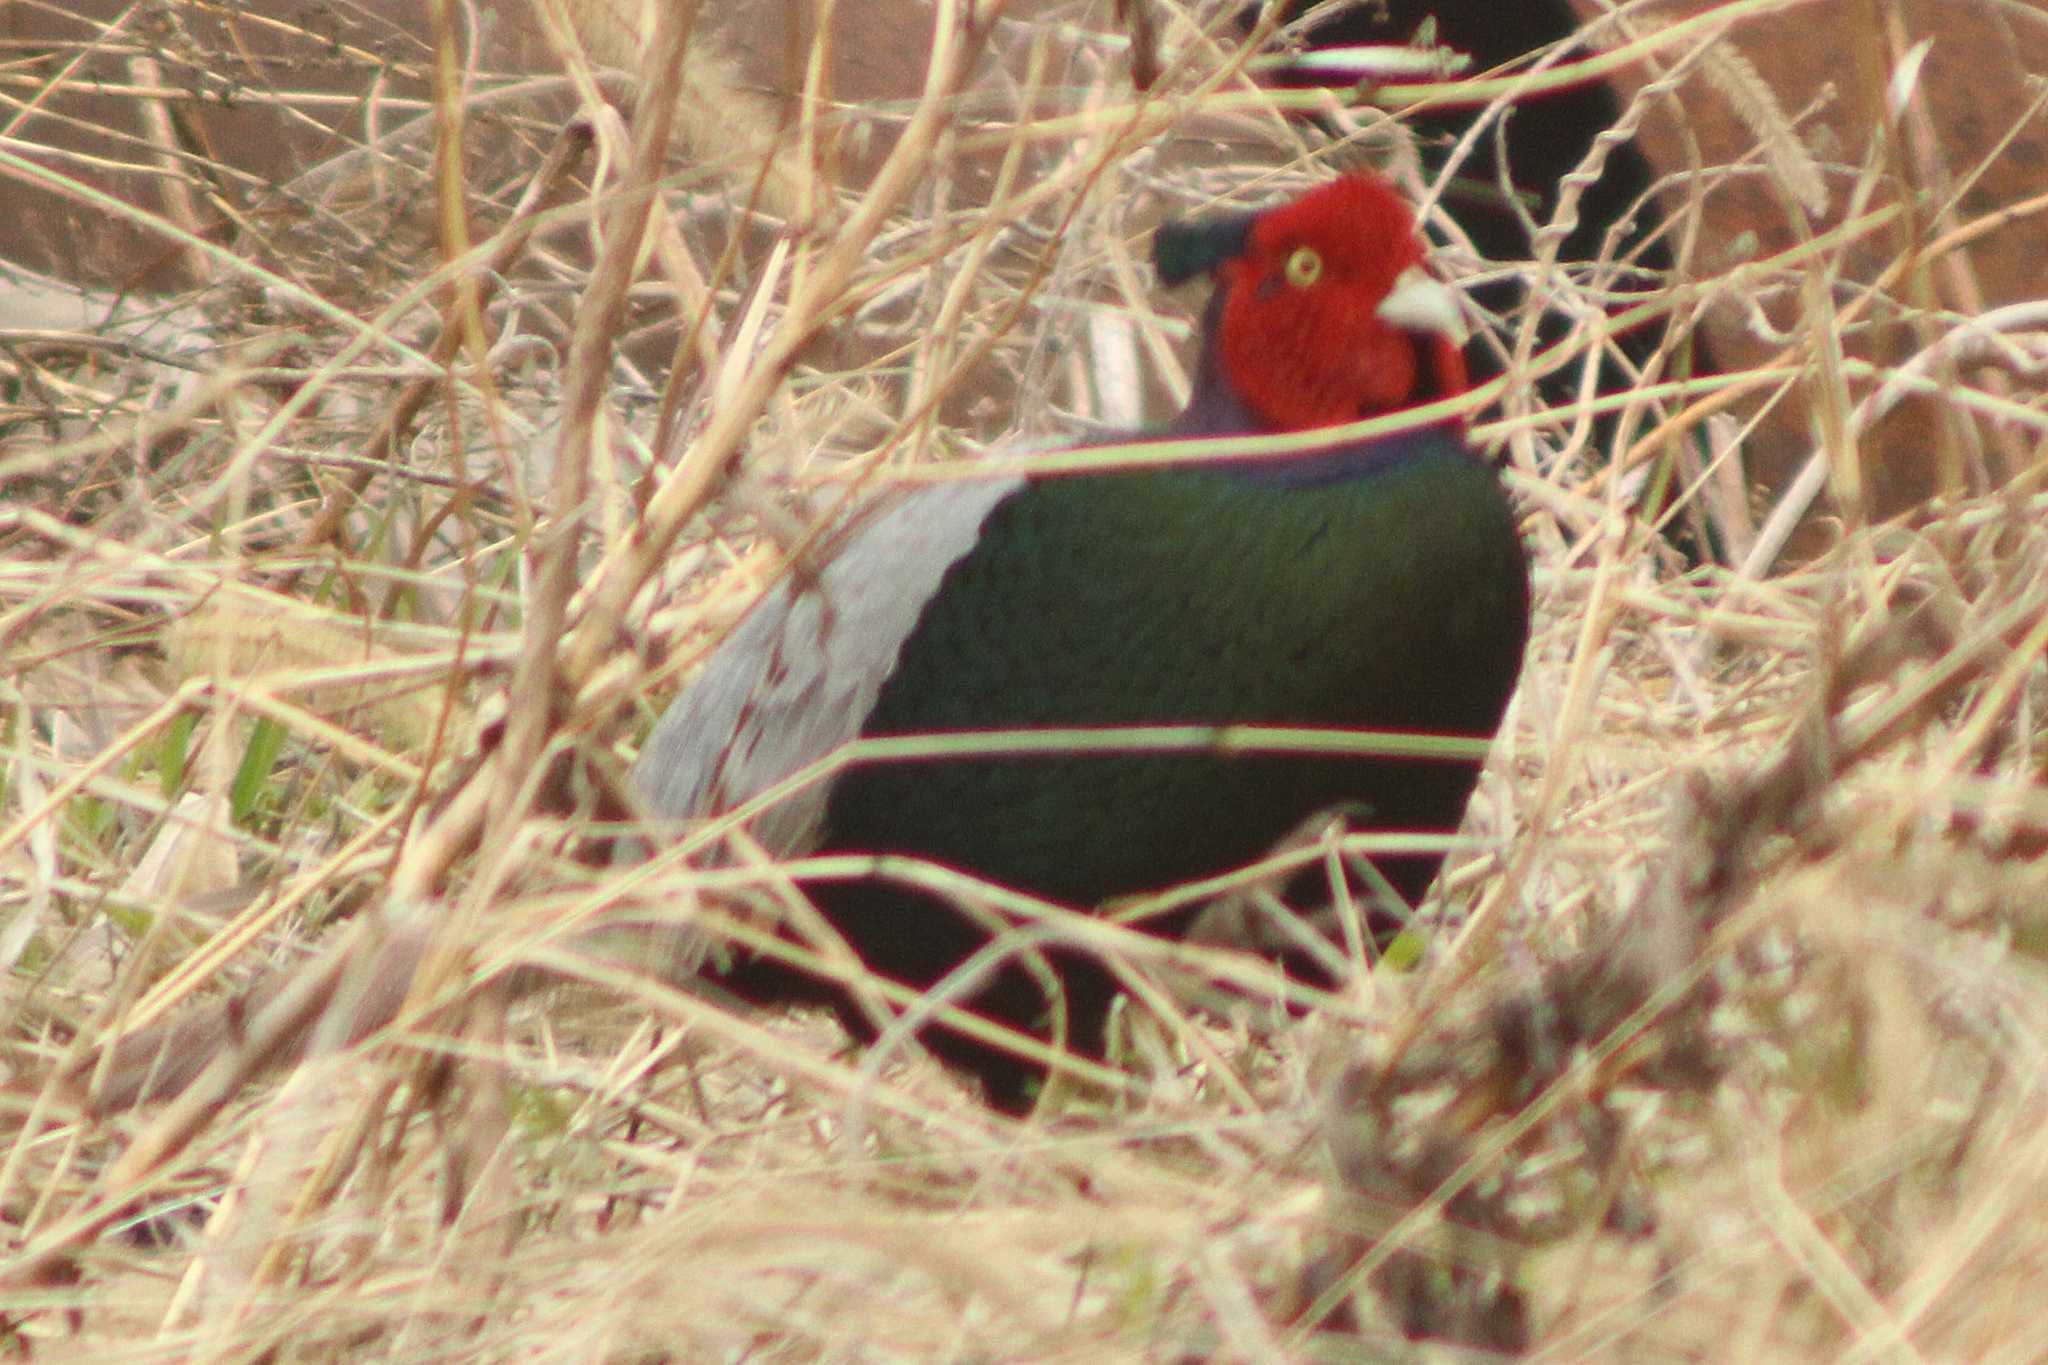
(802, 672)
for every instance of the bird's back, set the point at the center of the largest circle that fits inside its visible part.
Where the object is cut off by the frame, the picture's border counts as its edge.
(1391, 595)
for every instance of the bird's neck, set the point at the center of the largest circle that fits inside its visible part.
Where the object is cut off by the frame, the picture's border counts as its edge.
(1215, 409)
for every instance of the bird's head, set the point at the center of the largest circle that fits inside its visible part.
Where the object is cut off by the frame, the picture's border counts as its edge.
(1324, 312)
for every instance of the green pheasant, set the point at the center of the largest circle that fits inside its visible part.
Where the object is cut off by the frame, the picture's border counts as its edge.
(1371, 585)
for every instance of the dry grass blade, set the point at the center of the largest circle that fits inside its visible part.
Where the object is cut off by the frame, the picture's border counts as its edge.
(337, 577)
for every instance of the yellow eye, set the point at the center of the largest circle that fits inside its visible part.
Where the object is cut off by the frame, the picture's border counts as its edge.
(1304, 267)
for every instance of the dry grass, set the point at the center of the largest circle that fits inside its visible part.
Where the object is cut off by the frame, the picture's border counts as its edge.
(1730, 1045)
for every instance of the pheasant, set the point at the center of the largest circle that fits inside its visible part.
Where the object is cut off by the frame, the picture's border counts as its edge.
(1374, 584)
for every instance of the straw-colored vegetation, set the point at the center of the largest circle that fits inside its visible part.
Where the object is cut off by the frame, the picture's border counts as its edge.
(328, 620)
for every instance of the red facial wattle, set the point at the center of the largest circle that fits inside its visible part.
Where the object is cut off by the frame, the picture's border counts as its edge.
(1448, 355)
(1309, 347)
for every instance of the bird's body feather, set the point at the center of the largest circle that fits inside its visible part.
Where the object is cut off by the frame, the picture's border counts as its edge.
(1187, 596)
(797, 678)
